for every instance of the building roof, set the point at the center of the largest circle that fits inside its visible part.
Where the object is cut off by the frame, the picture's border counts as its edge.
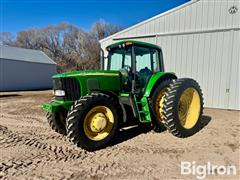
(21, 54)
(134, 42)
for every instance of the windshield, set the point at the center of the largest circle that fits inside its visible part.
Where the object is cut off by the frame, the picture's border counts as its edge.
(119, 58)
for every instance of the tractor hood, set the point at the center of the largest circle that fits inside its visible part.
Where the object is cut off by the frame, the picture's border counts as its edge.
(91, 80)
(88, 73)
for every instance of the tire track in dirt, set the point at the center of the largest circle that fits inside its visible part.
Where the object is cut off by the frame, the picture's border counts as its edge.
(150, 149)
(44, 153)
(41, 153)
(14, 167)
(22, 117)
(62, 153)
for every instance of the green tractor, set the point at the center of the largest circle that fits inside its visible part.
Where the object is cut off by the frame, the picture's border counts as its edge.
(91, 106)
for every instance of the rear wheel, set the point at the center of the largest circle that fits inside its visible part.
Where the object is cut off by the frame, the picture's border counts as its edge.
(183, 107)
(157, 104)
(93, 121)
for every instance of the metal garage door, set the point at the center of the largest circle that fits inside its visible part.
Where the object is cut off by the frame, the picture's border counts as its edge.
(234, 82)
(206, 57)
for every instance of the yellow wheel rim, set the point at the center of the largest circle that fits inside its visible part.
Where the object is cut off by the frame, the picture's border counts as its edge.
(159, 104)
(189, 108)
(98, 123)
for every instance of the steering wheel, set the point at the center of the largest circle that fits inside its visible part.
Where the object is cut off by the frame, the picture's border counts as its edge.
(127, 67)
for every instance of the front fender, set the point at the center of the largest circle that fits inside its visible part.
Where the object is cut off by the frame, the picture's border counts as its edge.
(155, 78)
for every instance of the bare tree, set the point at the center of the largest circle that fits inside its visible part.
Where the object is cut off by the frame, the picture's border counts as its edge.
(6, 38)
(69, 46)
(102, 29)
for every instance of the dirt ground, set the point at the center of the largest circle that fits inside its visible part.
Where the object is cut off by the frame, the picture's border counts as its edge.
(29, 149)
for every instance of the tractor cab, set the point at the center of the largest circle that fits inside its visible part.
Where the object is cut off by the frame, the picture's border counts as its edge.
(136, 61)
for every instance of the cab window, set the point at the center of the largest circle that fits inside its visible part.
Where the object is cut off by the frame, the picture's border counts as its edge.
(147, 59)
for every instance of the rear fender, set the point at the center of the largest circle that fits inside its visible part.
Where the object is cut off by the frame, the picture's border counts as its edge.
(156, 79)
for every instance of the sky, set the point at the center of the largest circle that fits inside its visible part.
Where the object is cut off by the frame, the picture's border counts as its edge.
(18, 15)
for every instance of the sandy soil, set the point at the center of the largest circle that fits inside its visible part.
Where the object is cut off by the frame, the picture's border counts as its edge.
(29, 149)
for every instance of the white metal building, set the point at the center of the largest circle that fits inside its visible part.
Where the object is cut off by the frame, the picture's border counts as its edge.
(199, 39)
(25, 69)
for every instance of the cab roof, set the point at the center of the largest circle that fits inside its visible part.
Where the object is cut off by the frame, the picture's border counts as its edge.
(134, 42)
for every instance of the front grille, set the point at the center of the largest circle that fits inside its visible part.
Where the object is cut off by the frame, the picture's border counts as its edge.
(69, 85)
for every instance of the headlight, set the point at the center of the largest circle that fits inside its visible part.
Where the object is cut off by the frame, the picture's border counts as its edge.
(59, 92)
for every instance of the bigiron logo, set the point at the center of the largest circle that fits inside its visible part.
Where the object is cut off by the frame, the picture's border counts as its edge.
(208, 169)
(233, 10)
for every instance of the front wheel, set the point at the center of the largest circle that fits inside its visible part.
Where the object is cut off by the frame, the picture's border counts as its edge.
(56, 121)
(93, 121)
(183, 107)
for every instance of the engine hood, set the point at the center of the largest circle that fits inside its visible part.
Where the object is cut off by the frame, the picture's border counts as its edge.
(102, 80)
(88, 73)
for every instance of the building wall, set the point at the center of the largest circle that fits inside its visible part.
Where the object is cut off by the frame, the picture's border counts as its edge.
(200, 39)
(194, 16)
(20, 75)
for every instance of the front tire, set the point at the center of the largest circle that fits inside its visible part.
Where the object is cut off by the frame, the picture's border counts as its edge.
(93, 121)
(56, 121)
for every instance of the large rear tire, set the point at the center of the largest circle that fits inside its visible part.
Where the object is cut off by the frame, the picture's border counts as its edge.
(157, 105)
(183, 107)
(93, 121)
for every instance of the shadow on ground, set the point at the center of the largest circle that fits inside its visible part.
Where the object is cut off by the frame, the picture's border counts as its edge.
(9, 95)
(131, 132)
(205, 121)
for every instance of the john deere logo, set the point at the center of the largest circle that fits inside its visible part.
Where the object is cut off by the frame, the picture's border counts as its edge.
(233, 10)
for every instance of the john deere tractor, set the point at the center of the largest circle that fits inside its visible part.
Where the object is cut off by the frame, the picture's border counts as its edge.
(90, 106)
